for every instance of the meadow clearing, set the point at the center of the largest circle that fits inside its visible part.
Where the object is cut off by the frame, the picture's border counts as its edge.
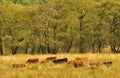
(50, 70)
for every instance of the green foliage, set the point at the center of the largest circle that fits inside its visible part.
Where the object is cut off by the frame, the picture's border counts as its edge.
(51, 26)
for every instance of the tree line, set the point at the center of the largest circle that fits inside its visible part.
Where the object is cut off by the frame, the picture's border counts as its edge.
(53, 26)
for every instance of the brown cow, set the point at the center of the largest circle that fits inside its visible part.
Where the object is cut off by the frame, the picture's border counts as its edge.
(51, 58)
(84, 59)
(76, 63)
(18, 65)
(32, 60)
(95, 64)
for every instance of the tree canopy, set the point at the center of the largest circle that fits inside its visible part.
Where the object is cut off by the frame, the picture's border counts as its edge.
(53, 26)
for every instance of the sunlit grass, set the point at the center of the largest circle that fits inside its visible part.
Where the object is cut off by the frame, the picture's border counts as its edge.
(50, 70)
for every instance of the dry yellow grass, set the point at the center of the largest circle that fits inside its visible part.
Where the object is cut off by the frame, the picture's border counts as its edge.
(51, 70)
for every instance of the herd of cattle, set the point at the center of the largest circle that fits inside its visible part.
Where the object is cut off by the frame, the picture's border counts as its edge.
(77, 62)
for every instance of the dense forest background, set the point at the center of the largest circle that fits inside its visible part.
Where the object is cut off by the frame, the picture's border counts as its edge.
(53, 26)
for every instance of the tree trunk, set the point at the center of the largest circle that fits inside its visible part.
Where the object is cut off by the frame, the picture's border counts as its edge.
(26, 48)
(118, 48)
(33, 49)
(94, 41)
(112, 45)
(39, 48)
(1, 47)
(99, 46)
(55, 49)
(81, 29)
(48, 48)
(14, 49)
(81, 44)
(70, 45)
(93, 47)
(113, 42)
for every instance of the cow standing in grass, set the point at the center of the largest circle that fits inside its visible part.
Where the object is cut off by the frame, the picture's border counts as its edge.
(18, 65)
(32, 60)
(62, 60)
(95, 64)
(107, 63)
(49, 59)
(76, 63)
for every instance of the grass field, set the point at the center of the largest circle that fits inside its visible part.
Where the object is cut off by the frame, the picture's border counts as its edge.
(50, 70)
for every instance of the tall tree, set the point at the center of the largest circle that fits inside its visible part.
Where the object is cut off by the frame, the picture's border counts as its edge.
(111, 11)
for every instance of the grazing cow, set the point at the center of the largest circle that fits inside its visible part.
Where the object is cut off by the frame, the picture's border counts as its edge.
(95, 64)
(18, 65)
(32, 60)
(51, 58)
(62, 60)
(107, 63)
(76, 63)
(84, 59)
